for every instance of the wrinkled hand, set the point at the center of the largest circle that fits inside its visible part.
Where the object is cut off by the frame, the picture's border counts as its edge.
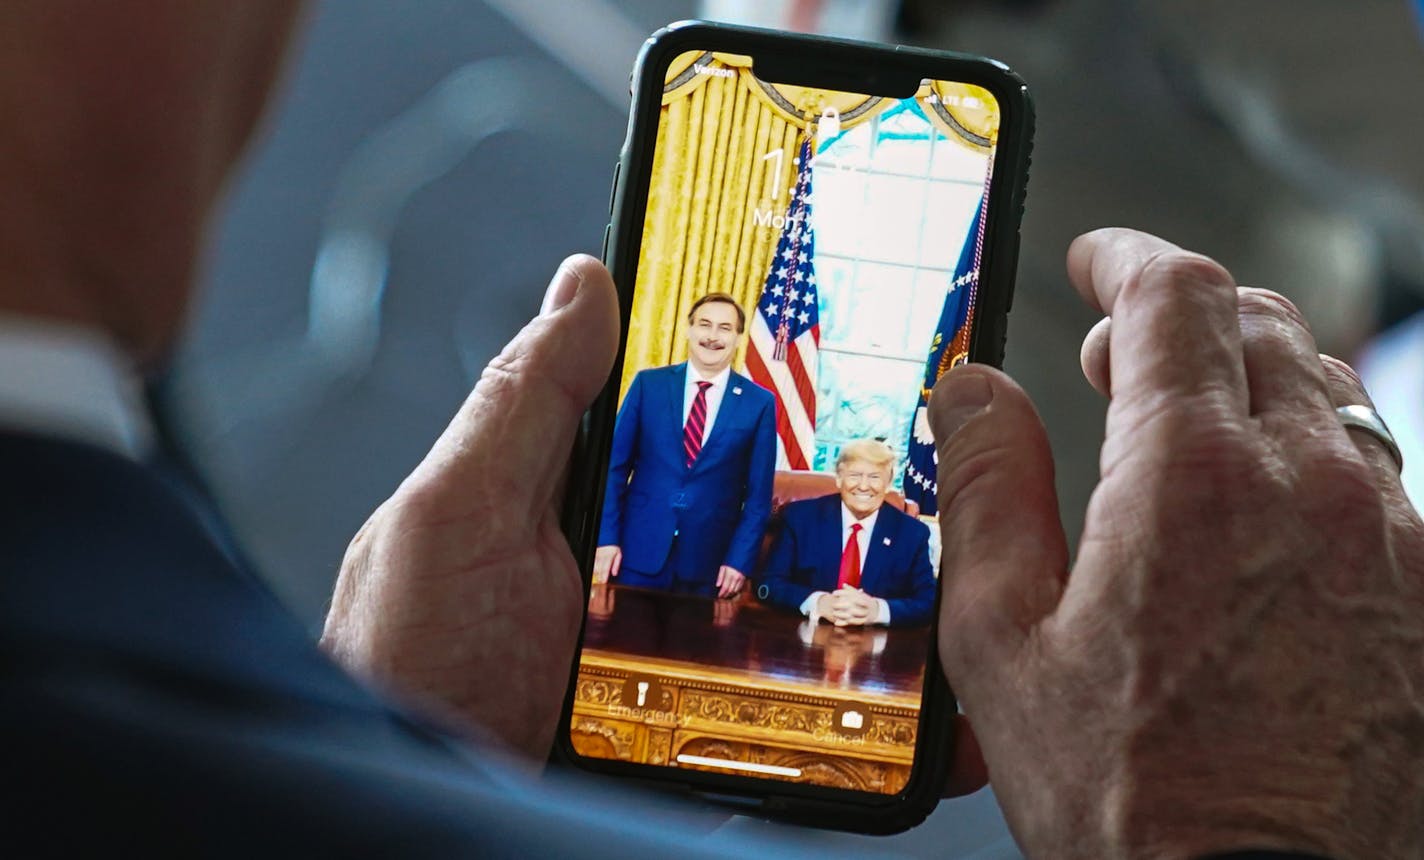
(463, 576)
(606, 562)
(1234, 659)
(729, 581)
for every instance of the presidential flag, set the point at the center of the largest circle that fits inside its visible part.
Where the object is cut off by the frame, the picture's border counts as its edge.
(949, 347)
(786, 328)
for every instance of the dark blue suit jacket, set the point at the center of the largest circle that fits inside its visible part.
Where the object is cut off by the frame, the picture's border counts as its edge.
(806, 557)
(156, 699)
(719, 507)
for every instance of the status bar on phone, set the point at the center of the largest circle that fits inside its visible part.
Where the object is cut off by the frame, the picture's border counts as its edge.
(774, 770)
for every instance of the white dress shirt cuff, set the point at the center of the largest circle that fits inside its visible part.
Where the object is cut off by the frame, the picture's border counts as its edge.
(808, 606)
(882, 616)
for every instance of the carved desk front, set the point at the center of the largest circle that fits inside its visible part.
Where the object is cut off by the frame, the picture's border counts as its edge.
(667, 675)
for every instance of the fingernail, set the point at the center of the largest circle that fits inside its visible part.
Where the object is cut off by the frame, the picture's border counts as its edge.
(957, 399)
(561, 291)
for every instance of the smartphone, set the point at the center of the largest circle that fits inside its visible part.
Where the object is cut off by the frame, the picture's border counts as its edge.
(805, 232)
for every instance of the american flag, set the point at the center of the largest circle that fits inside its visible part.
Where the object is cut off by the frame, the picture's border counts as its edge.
(786, 328)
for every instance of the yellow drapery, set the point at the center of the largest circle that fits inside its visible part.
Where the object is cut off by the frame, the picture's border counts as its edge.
(712, 172)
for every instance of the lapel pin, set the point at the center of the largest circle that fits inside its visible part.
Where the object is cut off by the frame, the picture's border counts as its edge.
(737, 390)
(887, 541)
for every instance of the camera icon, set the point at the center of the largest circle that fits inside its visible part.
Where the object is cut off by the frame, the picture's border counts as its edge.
(850, 719)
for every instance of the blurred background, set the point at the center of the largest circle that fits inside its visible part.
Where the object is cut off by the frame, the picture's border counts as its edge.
(429, 164)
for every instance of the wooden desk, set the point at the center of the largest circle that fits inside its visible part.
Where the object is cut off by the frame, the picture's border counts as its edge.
(740, 681)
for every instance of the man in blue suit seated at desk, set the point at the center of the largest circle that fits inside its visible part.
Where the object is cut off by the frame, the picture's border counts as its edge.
(850, 558)
(690, 474)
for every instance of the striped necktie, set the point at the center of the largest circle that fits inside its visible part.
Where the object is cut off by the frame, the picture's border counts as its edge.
(696, 423)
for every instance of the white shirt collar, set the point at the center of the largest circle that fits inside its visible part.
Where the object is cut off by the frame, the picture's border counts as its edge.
(68, 381)
(718, 382)
(848, 518)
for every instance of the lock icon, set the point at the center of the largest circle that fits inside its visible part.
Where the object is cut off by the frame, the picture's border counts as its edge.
(829, 125)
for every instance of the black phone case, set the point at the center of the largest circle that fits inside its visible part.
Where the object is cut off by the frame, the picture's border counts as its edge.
(831, 64)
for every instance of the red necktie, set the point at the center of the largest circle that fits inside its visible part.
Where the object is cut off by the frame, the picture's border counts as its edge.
(850, 560)
(696, 423)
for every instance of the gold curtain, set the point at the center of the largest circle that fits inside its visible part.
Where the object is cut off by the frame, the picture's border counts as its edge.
(712, 171)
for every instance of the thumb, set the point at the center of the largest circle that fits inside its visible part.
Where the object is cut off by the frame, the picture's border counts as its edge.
(1004, 557)
(513, 434)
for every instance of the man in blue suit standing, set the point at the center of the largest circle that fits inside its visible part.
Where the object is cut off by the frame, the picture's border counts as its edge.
(690, 474)
(849, 558)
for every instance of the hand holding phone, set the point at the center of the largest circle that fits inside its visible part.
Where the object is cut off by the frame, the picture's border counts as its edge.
(465, 598)
(1245, 605)
(807, 233)
(1050, 772)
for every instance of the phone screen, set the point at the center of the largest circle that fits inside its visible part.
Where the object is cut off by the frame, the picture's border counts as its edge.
(768, 548)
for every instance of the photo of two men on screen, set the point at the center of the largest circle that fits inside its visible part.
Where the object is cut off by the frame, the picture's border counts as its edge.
(783, 342)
